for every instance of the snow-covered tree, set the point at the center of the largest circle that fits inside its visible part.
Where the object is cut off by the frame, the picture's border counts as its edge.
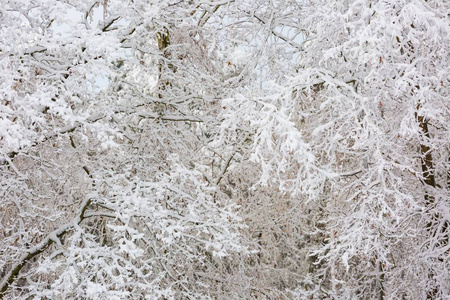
(224, 149)
(359, 132)
(107, 111)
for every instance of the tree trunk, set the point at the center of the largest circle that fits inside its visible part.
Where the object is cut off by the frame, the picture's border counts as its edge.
(429, 180)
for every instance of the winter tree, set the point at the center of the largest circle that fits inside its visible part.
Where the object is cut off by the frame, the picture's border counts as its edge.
(105, 187)
(224, 149)
(358, 132)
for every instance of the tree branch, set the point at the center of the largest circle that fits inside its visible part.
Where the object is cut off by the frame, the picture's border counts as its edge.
(41, 247)
(67, 129)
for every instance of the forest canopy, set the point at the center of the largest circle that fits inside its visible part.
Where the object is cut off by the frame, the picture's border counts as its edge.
(230, 149)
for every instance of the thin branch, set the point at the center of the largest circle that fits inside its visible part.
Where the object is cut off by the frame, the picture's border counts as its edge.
(109, 23)
(277, 34)
(214, 10)
(170, 117)
(230, 158)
